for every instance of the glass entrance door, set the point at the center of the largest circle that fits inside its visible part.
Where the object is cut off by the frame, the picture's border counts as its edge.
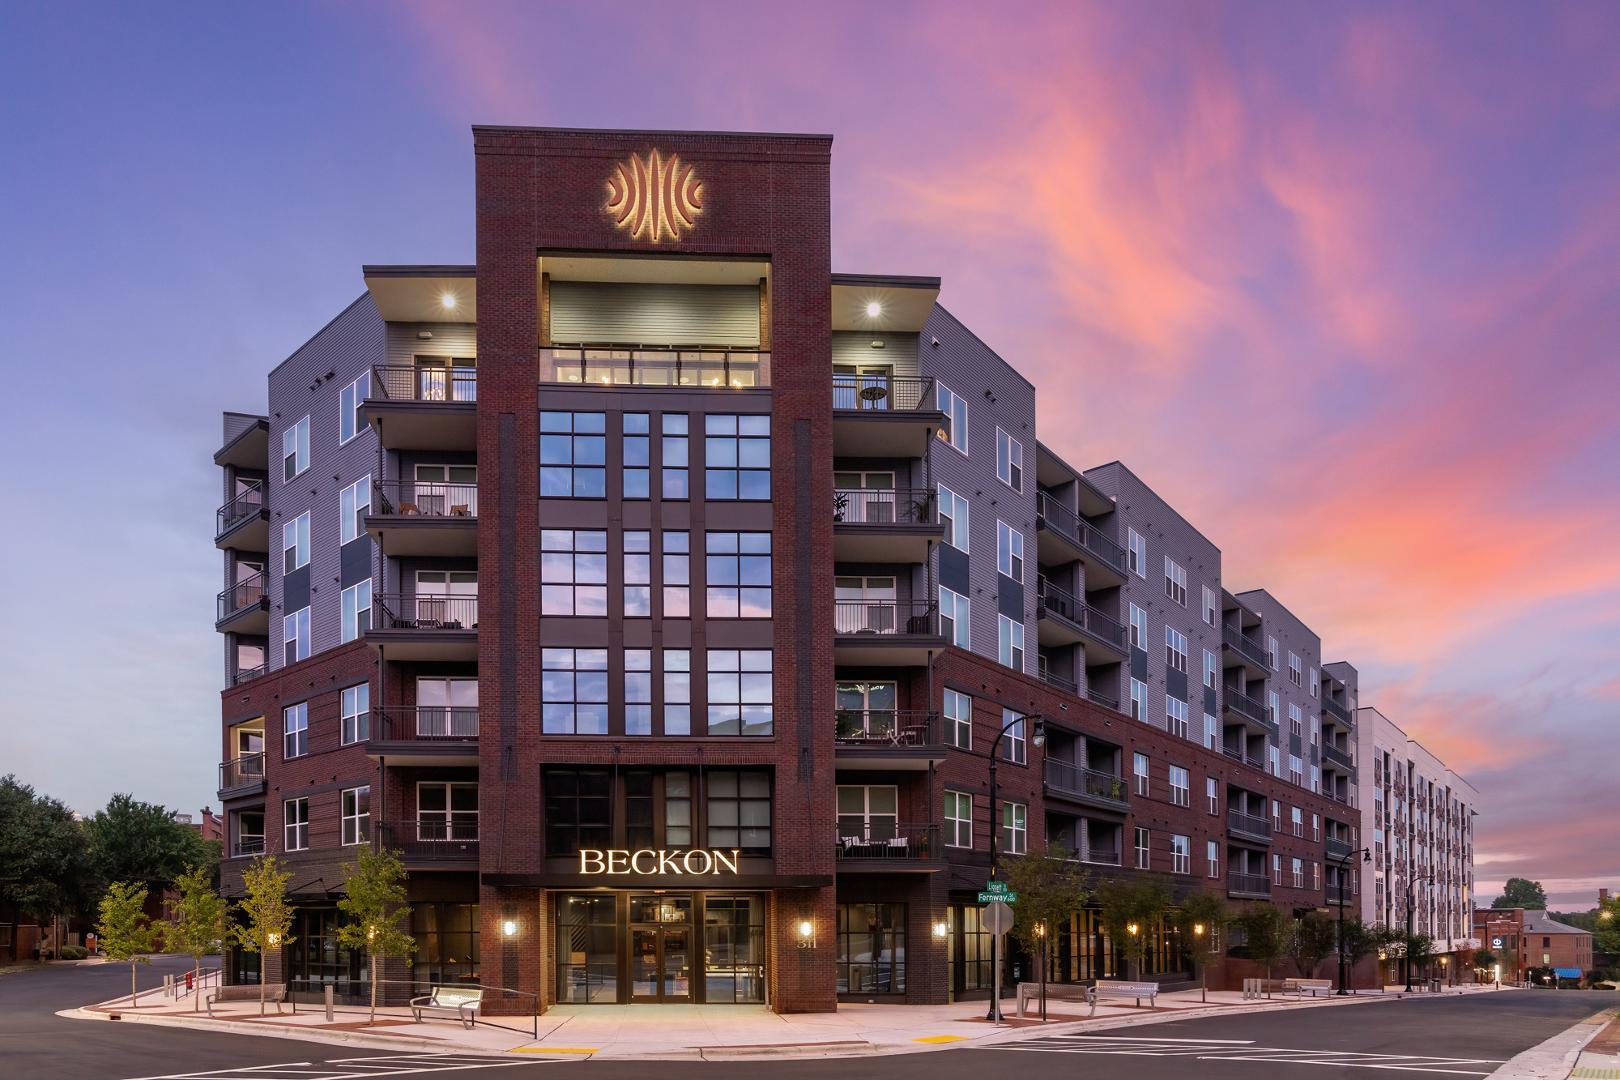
(661, 963)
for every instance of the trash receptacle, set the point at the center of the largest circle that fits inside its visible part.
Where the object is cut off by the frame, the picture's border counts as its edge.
(1434, 986)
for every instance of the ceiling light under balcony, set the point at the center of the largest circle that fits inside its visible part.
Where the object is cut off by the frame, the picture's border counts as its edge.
(447, 300)
(873, 309)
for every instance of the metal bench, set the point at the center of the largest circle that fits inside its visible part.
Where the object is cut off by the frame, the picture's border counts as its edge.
(273, 992)
(1308, 986)
(462, 1002)
(1028, 992)
(1108, 988)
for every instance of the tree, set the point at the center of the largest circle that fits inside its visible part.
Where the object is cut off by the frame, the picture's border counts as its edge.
(1131, 909)
(1418, 950)
(1206, 909)
(1314, 937)
(266, 914)
(125, 931)
(1360, 940)
(374, 901)
(1522, 892)
(138, 841)
(199, 921)
(1268, 933)
(46, 865)
(1606, 926)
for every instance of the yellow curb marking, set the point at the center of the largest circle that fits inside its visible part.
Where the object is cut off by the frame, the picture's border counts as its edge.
(556, 1049)
(940, 1038)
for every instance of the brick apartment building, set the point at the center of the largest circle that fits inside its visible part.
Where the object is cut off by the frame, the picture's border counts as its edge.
(660, 595)
(1525, 938)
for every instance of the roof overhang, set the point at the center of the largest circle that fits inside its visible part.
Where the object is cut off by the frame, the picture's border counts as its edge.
(418, 294)
(903, 304)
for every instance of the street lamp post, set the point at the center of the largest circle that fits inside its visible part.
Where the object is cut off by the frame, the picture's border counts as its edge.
(1344, 864)
(1406, 962)
(1203, 966)
(1037, 736)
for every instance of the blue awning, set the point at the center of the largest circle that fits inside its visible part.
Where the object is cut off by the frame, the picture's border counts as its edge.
(1567, 973)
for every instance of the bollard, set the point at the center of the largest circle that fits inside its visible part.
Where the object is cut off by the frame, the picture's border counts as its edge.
(328, 1003)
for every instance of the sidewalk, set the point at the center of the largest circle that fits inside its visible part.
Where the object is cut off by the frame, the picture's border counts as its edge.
(696, 1032)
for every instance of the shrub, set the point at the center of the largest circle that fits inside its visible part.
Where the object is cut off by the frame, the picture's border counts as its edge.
(74, 952)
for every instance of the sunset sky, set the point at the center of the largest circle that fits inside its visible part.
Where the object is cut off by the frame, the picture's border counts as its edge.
(1341, 282)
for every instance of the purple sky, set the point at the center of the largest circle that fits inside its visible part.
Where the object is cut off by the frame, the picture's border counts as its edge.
(1342, 283)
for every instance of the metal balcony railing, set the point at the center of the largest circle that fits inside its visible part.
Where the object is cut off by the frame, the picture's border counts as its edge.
(245, 504)
(694, 366)
(425, 722)
(247, 846)
(1331, 753)
(1247, 707)
(1060, 603)
(245, 594)
(1337, 711)
(1236, 753)
(403, 382)
(1060, 519)
(884, 506)
(1054, 679)
(1107, 701)
(1336, 848)
(887, 727)
(1248, 825)
(1100, 857)
(878, 838)
(426, 611)
(242, 771)
(886, 617)
(1248, 884)
(882, 393)
(1068, 778)
(1245, 646)
(248, 674)
(425, 498)
(452, 837)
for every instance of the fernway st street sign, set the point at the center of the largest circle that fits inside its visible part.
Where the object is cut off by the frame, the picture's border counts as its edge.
(997, 891)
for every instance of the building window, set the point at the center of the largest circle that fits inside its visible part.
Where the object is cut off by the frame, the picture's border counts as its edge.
(354, 503)
(1139, 700)
(1212, 792)
(637, 574)
(1211, 614)
(295, 730)
(295, 636)
(1296, 721)
(1138, 619)
(871, 948)
(295, 816)
(1313, 683)
(1015, 827)
(1135, 552)
(1016, 746)
(676, 449)
(1316, 875)
(1296, 673)
(1009, 551)
(739, 810)
(637, 456)
(954, 617)
(1212, 732)
(357, 815)
(294, 449)
(1175, 581)
(447, 811)
(739, 692)
(955, 431)
(1180, 854)
(958, 819)
(638, 691)
(736, 456)
(1175, 649)
(356, 610)
(350, 398)
(578, 809)
(354, 707)
(1139, 769)
(1296, 818)
(738, 568)
(1144, 854)
(677, 568)
(1296, 774)
(1276, 869)
(1010, 642)
(295, 543)
(1009, 460)
(1271, 652)
(1316, 827)
(1175, 716)
(1212, 854)
(573, 572)
(1276, 816)
(446, 945)
(868, 813)
(953, 514)
(677, 691)
(573, 455)
(958, 719)
(1211, 671)
(1180, 786)
(1298, 867)
(1274, 708)
(574, 692)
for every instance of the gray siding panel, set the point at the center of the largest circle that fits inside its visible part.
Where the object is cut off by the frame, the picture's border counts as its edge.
(899, 351)
(662, 314)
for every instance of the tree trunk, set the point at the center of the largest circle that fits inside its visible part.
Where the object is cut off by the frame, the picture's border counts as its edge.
(196, 982)
(373, 1019)
(132, 984)
(264, 967)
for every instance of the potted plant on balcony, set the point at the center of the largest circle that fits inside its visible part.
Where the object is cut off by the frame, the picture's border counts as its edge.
(922, 508)
(840, 504)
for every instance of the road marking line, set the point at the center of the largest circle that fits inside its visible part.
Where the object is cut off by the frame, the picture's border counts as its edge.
(218, 1072)
(940, 1038)
(1136, 1039)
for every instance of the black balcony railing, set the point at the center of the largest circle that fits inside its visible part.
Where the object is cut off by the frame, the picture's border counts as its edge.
(245, 594)
(1245, 646)
(248, 674)
(1336, 848)
(1060, 603)
(1337, 711)
(1247, 707)
(247, 846)
(425, 498)
(1068, 778)
(426, 612)
(245, 504)
(882, 393)
(428, 382)
(1053, 678)
(1100, 857)
(438, 838)
(1107, 701)
(637, 365)
(1248, 825)
(887, 728)
(884, 506)
(436, 723)
(1248, 884)
(1060, 519)
(886, 617)
(1331, 753)
(243, 771)
(877, 838)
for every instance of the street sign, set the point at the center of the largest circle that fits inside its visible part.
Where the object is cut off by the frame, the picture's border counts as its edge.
(997, 918)
(995, 886)
(998, 897)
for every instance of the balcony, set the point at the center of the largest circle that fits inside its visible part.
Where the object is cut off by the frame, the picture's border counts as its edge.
(1089, 787)
(244, 608)
(1248, 825)
(881, 846)
(1334, 711)
(243, 524)
(1251, 886)
(634, 365)
(1064, 535)
(887, 739)
(241, 777)
(425, 518)
(1337, 849)
(877, 632)
(425, 626)
(245, 847)
(1247, 651)
(1236, 753)
(425, 735)
(1065, 619)
(246, 442)
(1100, 857)
(1333, 755)
(1248, 711)
(886, 416)
(434, 842)
(424, 407)
(248, 674)
(885, 525)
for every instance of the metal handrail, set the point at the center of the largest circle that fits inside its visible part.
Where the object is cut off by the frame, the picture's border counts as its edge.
(247, 593)
(1248, 707)
(425, 498)
(1339, 711)
(1237, 753)
(1250, 884)
(405, 382)
(1062, 519)
(884, 506)
(426, 722)
(1059, 681)
(426, 611)
(1101, 857)
(239, 771)
(887, 727)
(1245, 646)
(450, 836)
(1071, 609)
(883, 393)
(1248, 824)
(889, 840)
(654, 366)
(1067, 776)
(248, 674)
(1334, 754)
(885, 617)
(245, 504)
(247, 846)
(1106, 700)
(1337, 848)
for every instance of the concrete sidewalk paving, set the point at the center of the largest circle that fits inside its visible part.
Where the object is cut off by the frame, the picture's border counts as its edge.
(1590, 1050)
(695, 1032)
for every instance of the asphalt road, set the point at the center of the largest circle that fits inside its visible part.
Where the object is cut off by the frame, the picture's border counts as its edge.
(1453, 1036)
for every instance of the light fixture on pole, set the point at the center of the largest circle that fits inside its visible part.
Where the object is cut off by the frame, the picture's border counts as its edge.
(1037, 736)
(1344, 862)
(1203, 968)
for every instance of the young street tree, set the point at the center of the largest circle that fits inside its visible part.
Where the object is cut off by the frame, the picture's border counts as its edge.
(374, 901)
(1314, 938)
(267, 916)
(125, 931)
(1268, 934)
(1202, 909)
(1131, 910)
(198, 925)
(1360, 940)
(1051, 886)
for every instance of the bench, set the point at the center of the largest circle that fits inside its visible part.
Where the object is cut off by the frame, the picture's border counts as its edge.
(1308, 986)
(1108, 988)
(1028, 992)
(1258, 988)
(460, 1001)
(276, 992)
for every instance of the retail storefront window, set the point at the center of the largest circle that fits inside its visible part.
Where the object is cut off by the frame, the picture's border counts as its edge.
(871, 948)
(446, 944)
(587, 949)
(733, 949)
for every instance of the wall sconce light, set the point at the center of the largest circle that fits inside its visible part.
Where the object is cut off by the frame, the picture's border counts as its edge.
(1198, 929)
(1131, 929)
(275, 939)
(940, 929)
(806, 931)
(508, 928)
(806, 928)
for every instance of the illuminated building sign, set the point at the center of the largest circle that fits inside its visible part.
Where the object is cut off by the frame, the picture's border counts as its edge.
(621, 862)
(654, 197)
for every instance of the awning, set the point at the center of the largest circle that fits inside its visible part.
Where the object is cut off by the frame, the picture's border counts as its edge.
(1567, 973)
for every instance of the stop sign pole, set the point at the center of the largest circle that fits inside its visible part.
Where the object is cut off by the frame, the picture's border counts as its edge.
(998, 919)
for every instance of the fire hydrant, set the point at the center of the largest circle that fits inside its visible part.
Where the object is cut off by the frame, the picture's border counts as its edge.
(189, 976)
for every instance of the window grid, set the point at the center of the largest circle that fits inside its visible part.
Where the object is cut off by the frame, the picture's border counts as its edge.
(573, 455)
(638, 695)
(1009, 460)
(1175, 649)
(736, 456)
(574, 691)
(955, 432)
(676, 449)
(1175, 581)
(1015, 827)
(1009, 551)
(295, 730)
(295, 820)
(1135, 552)
(350, 399)
(1010, 642)
(1180, 786)
(1139, 769)
(637, 456)
(953, 514)
(354, 503)
(1180, 854)
(958, 819)
(955, 618)
(1175, 719)
(677, 691)
(958, 719)
(738, 569)
(573, 572)
(1144, 853)
(739, 692)
(1015, 747)
(356, 814)
(354, 725)
(637, 565)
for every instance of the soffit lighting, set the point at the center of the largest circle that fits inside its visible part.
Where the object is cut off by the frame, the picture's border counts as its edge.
(874, 309)
(447, 300)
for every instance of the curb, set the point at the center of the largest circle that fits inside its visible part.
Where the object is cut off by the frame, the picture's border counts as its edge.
(1554, 1058)
(332, 1038)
